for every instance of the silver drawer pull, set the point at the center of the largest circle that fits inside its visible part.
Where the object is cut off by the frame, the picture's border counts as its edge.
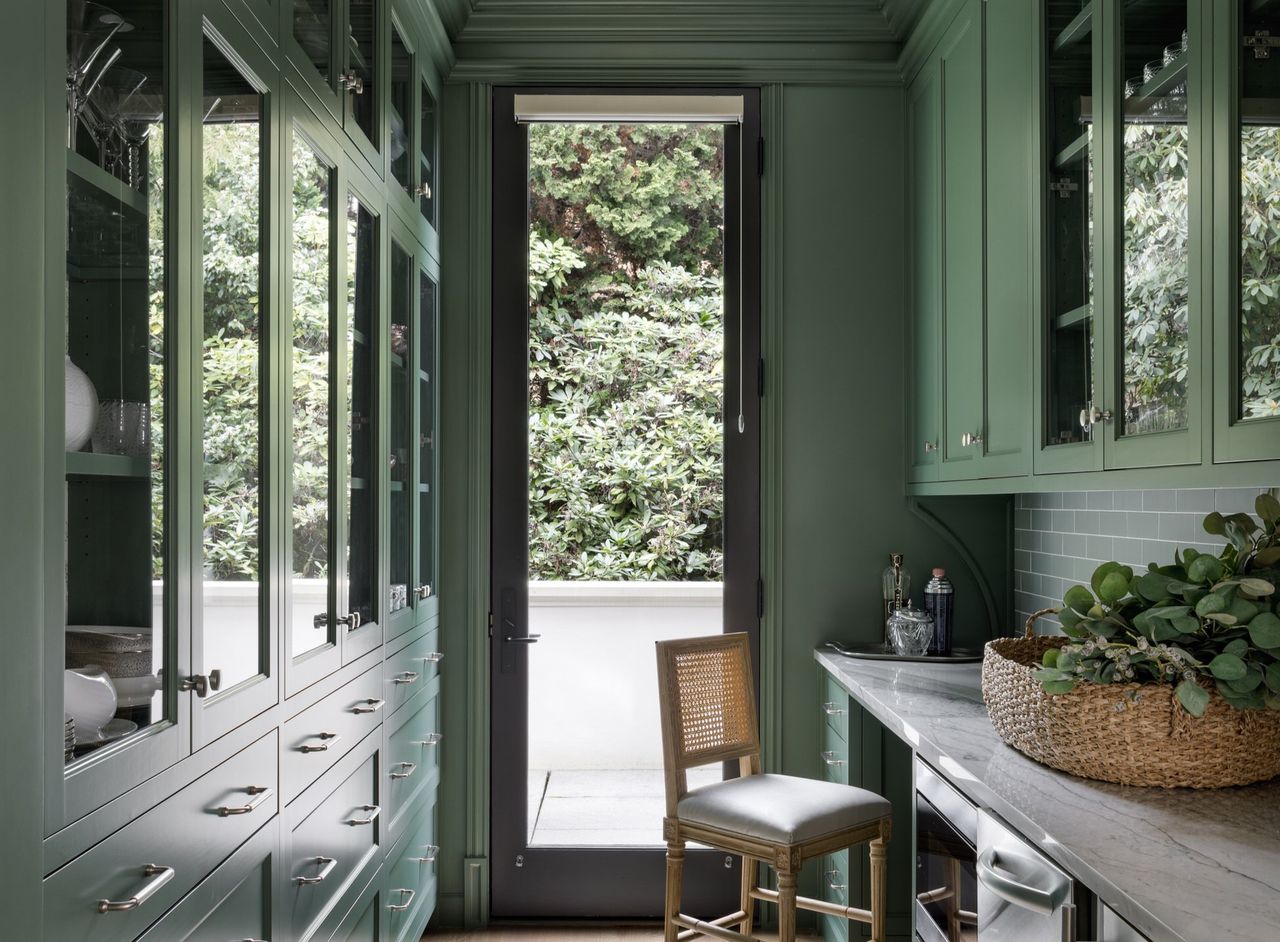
(430, 852)
(260, 792)
(406, 677)
(406, 895)
(372, 705)
(156, 877)
(831, 877)
(328, 739)
(433, 739)
(406, 769)
(326, 867)
(435, 657)
(1044, 900)
(830, 758)
(831, 709)
(373, 810)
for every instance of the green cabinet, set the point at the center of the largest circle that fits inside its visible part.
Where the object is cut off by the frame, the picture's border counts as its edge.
(969, 146)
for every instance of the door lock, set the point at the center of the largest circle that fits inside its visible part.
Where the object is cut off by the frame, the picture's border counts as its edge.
(202, 683)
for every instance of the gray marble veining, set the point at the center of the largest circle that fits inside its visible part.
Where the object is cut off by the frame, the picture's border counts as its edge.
(1182, 865)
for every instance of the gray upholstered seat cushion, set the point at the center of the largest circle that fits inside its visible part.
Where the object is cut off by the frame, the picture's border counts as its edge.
(781, 809)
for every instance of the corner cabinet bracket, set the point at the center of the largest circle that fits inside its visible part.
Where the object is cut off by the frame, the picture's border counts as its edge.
(1261, 42)
(1064, 187)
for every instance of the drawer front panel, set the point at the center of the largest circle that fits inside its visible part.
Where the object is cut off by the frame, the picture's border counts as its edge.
(834, 882)
(320, 735)
(142, 870)
(835, 707)
(835, 929)
(365, 919)
(332, 845)
(413, 754)
(234, 903)
(835, 757)
(411, 877)
(408, 672)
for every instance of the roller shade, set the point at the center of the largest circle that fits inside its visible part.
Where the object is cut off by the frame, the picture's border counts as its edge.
(629, 109)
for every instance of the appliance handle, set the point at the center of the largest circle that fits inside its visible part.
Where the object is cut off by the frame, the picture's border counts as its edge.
(1043, 901)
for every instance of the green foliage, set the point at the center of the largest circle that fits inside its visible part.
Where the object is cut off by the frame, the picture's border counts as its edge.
(626, 352)
(1204, 623)
(1260, 271)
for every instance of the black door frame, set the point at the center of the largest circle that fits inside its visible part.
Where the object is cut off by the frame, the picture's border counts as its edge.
(608, 883)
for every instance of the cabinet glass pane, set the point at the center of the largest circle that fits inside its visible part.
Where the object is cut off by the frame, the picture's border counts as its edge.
(427, 502)
(427, 156)
(1258, 352)
(401, 497)
(359, 394)
(362, 53)
(1154, 325)
(313, 31)
(1069, 213)
(401, 109)
(311, 369)
(231, 593)
(117, 646)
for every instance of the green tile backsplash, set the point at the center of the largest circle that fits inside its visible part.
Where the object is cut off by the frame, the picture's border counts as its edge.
(1060, 538)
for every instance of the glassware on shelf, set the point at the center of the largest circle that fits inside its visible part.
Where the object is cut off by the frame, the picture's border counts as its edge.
(910, 632)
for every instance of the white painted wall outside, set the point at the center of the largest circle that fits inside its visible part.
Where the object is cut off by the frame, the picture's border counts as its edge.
(593, 688)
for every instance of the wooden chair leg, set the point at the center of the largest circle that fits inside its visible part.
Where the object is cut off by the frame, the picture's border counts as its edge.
(786, 907)
(747, 904)
(879, 888)
(675, 877)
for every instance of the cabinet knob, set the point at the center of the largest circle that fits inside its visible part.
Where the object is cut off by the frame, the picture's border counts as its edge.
(352, 620)
(968, 441)
(423, 592)
(930, 447)
(202, 683)
(351, 82)
(1091, 415)
(423, 190)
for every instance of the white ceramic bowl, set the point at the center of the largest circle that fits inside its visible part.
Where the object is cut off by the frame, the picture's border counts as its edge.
(89, 697)
(81, 408)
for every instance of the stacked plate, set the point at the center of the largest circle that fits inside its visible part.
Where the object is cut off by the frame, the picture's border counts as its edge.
(123, 652)
(68, 738)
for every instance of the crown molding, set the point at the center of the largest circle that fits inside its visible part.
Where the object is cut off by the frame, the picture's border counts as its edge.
(453, 15)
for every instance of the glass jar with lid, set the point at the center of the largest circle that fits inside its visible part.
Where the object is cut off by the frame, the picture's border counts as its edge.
(910, 630)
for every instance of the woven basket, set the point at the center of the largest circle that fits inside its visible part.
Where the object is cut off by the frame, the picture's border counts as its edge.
(1150, 741)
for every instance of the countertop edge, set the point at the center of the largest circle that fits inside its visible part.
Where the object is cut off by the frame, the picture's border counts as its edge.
(972, 787)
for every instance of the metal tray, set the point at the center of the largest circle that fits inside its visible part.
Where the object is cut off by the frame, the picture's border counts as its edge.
(878, 651)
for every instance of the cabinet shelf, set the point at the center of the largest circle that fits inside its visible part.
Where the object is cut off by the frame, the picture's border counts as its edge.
(84, 464)
(1078, 29)
(1159, 86)
(1073, 152)
(396, 360)
(100, 180)
(1073, 318)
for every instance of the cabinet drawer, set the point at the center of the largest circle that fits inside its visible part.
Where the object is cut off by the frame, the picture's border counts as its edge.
(835, 707)
(413, 754)
(365, 919)
(835, 929)
(835, 757)
(233, 903)
(143, 869)
(410, 883)
(320, 735)
(331, 846)
(834, 881)
(411, 669)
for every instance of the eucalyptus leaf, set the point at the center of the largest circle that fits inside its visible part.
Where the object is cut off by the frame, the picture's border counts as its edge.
(1272, 676)
(1264, 630)
(1169, 613)
(1153, 586)
(1227, 667)
(1211, 603)
(1222, 618)
(1100, 574)
(1239, 647)
(1268, 508)
(1205, 568)
(1114, 587)
(1193, 697)
(1216, 524)
(1243, 610)
(1078, 599)
(1186, 625)
(1257, 587)
(1268, 557)
(1250, 682)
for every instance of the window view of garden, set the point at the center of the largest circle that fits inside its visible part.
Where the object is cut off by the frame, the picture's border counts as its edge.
(626, 351)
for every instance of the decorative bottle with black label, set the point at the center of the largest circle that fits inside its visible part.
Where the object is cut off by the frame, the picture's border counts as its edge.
(940, 602)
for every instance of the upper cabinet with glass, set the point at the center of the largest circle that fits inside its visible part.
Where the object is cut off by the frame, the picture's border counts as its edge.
(120, 644)
(1247, 146)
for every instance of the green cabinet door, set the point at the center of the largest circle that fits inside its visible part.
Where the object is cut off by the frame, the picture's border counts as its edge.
(960, 64)
(924, 338)
(1010, 148)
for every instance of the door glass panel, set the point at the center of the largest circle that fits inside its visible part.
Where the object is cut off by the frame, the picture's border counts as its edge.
(360, 505)
(1154, 322)
(231, 144)
(427, 582)
(1069, 211)
(313, 31)
(401, 496)
(118, 639)
(362, 52)
(311, 368)
(1258, 351)
(401, 109)
(427, 156)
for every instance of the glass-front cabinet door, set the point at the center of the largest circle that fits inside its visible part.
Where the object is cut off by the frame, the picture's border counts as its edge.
(1247, 256)
(1068, 330)
(115, 669)
(401, 461)
(233, 653)
(425, 589)
(1152, 200)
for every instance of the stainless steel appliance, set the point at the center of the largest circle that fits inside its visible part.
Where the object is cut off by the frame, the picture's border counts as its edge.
(978, 881)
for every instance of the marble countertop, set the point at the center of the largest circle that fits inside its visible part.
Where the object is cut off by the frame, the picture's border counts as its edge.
(1181, 865)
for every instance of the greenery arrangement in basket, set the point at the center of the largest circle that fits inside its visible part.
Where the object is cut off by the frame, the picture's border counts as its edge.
(1205, 622)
